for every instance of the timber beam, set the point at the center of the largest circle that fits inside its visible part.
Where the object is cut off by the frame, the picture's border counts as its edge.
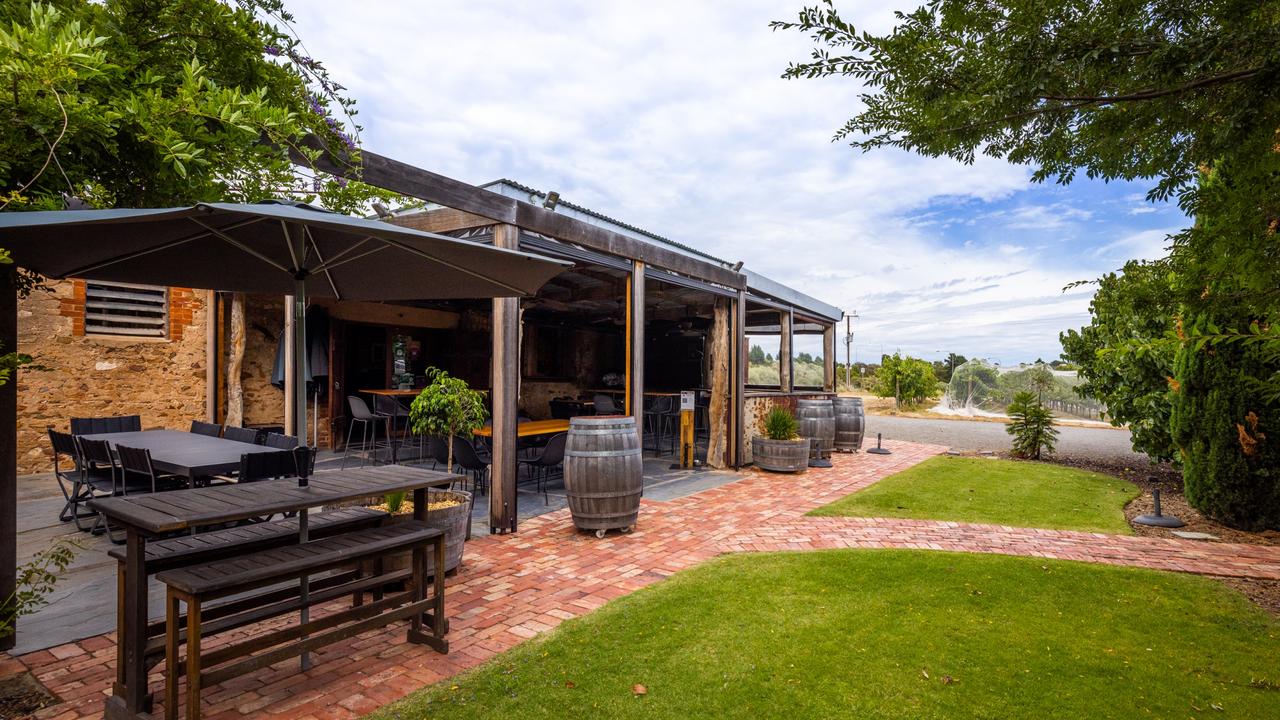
(400, 177)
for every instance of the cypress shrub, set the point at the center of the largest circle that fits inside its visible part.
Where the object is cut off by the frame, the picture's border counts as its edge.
(1227, 434)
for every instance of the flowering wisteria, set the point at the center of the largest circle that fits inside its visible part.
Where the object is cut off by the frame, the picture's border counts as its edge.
(313, 71)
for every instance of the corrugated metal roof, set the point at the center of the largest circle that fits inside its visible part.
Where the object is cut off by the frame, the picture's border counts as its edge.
(612, 221)
(756, 283)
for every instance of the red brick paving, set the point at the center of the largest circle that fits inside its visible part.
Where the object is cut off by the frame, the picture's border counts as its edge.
(514, 587)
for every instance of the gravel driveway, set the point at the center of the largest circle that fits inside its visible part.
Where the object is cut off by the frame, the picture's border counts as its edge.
(970, 435)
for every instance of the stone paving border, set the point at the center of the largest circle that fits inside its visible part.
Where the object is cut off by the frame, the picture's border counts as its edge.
(514, 587)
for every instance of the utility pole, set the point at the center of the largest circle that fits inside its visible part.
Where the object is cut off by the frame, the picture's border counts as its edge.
(848, 345)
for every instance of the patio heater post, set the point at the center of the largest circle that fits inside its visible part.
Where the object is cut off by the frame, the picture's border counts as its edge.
(8, 448)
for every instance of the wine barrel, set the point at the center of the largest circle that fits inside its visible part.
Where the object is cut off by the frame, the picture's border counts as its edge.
(850, 423)
(818, 422)
(603, 472)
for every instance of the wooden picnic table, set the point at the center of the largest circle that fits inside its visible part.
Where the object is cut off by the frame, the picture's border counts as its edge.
(530, 428)
(190, 455)
(150, 515)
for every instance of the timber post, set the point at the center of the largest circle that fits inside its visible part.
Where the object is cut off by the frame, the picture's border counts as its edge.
(9, 449)
(786, 370)
(505, 396)
(235, 360)
(718, 369)
(829, 358)
(635, 347)
(739, 378)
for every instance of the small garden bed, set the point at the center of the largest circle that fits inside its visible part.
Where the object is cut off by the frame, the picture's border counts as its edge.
(889, 634)
(1001, 492)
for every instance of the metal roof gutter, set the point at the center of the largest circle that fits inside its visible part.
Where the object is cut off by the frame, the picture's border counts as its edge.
(777, 291)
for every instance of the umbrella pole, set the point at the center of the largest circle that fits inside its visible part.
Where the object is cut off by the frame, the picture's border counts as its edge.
(299, 401)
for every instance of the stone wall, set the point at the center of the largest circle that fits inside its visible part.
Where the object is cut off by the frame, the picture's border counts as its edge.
(163, 380)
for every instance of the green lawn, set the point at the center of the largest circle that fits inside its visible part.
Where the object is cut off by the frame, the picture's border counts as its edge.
(1003, 492)
(889, 634)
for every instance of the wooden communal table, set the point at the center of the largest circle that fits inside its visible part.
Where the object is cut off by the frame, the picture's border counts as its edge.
(393, 392)
(190, 455)
(530, 428)
(150, 515)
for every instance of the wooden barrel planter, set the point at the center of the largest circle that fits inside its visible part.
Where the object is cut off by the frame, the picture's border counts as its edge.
(453, 520)
(603, 472)
(851, 423)
(818, 423)
(780, 455)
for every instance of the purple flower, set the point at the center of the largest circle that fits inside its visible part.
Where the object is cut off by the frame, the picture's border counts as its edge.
(272, 50)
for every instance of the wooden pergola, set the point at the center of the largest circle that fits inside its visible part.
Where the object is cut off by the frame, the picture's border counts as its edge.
(463, 206)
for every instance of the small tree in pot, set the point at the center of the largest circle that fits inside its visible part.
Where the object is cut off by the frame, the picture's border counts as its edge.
(781, 449)
(446, 407)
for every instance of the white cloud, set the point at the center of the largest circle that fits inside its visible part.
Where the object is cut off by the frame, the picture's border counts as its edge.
(672, 116)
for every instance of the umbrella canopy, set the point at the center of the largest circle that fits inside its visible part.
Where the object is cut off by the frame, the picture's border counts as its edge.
(266, 248)
(273, 248)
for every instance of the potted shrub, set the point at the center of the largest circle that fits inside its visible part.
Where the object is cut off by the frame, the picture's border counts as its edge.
(781, 449)
(449, 510)
(447, 407)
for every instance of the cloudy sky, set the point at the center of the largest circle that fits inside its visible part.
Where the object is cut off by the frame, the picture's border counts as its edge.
(672, 116)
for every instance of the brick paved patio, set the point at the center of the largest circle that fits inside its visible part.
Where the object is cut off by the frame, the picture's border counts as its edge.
(514, 587)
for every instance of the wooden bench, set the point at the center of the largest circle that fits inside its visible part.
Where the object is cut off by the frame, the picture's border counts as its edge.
(185, 550)
(197, 584)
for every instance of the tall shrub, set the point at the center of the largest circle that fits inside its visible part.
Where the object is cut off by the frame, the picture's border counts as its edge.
(1227, 435)
(1031, 427)
(909, 381)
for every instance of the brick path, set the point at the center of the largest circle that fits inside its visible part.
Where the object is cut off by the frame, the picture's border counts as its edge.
(514, 587)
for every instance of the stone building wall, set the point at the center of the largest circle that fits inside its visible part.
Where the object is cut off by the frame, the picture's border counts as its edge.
(163, 380)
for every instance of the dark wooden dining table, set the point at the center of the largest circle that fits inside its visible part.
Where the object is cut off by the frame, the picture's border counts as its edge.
(154, 514)
(189, 455)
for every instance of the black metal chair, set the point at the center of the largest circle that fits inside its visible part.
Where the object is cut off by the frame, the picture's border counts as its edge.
(139, 475)
(605, 405)
(657, 419)
(562, 409)
(199, 427)
(702, 415)
(396, 417)
(74, 491)
(106, 479)
(369, 443)
(548, 461)
(98, 425)
(281, 442)
(439, 452)
(98, 472)
(242, 434)
(267, 466)
(466, 457)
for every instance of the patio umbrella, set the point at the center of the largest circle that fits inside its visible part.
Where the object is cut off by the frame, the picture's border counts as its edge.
(273, 247)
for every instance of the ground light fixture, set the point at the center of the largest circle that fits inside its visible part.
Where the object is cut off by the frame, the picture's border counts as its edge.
(1158, 519)
(877, 450)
